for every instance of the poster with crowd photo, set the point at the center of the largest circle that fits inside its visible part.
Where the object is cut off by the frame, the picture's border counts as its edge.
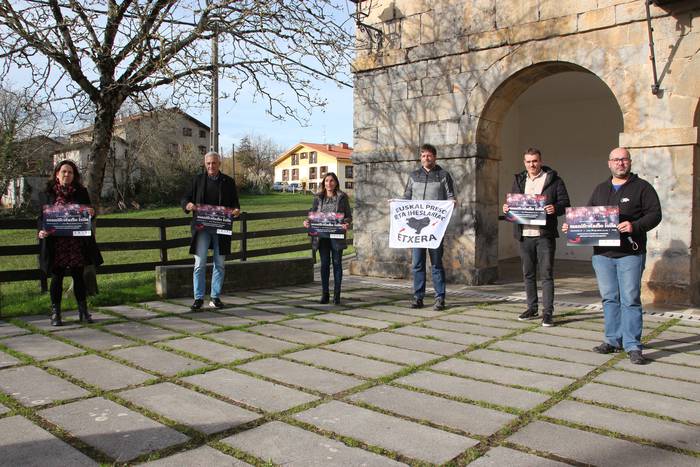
(526, 209)
(213, 219)
(593, 226)
(326, 224)
(67, 220)
(418, 224)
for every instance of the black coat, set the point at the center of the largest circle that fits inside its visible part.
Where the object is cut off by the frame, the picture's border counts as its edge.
(228, 197)
(344, 207)
(555, 191)
(47, 246)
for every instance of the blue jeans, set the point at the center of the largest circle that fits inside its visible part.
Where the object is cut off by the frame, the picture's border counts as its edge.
(419, 271)
(620, 282)
(203, 242)
(326, 252)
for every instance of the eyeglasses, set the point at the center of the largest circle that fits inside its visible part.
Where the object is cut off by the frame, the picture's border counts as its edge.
(618, 160)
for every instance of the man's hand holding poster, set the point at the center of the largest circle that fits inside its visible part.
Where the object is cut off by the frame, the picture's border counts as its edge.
(67, 220)
(418, 224)
(214, 219)
(526, 209)
(326, 224)
(593, 226)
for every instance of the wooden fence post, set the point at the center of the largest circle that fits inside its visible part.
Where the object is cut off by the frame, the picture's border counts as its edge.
(163, 238)
(244, 236)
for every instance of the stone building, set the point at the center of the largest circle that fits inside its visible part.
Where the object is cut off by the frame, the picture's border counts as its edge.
(485, 79)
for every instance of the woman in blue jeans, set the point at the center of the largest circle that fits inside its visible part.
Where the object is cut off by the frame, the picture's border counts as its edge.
(330, 199)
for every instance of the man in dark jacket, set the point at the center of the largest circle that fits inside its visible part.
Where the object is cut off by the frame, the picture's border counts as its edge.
(538, 243)
(429, 182)
(619, 269)
(213, 188)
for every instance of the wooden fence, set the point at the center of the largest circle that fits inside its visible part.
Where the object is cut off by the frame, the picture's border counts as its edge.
(163, 244)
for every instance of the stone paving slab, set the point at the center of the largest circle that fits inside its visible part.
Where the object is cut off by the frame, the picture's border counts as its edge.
(323, 327)
(100, 372)
(8, 360)
(439, 334)
(203, 456)
(250, 391)
(184, 325)
(253, 314)
(195, 410)
(458, 415)
(131, 312)
(500, 456)
(287, 445)
(95, 339)
(474, 390)
(493, 322)
(383, 352)
(24, 443)
(218, 319)
(32, 386)
(467, 328)
(540, 350)
(543, 365)
(503, 375)
(651, 383)
(285, 309)
(660, 431)
(157, 360)
(302, 375)
(113, 429)
(416, 343)
(685, 326)
(673, 357)
(252, 341)
(140, 331)
(9, 330)
(236, 300)
(292, 334)
(349, 364)
(674, 346)
(678, 409)
(355, 321)
(484, 313)
(594, 336)
(595, 449)
(408, 438)
(382, 316)
(70, 321)
(557, 341)
(213, 351)
(166, 307)
(666, 370)
(426, 312)
(40, 347)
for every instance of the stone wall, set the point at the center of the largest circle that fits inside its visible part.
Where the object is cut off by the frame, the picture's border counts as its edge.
(447, 73)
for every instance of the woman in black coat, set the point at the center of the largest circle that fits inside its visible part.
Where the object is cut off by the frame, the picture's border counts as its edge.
(330, 199)
(67, 255)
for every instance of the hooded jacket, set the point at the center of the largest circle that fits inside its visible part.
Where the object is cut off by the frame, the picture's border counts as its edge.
(555, 191)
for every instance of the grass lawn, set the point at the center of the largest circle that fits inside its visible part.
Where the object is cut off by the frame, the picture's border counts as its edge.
(24, 298)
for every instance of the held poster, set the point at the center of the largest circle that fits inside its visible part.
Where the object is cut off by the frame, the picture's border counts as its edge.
(67, 220)
(213, 219)
(418, 224)
(593, 226)
(326, 224)
(526, 209)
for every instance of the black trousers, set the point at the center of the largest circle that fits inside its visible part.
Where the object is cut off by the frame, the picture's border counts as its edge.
(537, 255)
(56, 290)
(326, 252)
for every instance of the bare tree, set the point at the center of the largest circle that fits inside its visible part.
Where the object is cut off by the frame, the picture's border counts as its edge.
(255, 154)
(99, 56)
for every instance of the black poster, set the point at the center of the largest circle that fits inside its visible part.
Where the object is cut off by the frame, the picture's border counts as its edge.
(526, 209)
(593, 226)
(67, 220)
(326, 225)
(213, 219)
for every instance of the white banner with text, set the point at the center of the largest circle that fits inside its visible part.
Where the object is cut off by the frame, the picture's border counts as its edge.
(418, 224)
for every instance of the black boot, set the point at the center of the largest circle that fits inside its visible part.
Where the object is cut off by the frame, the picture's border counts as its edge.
(83, 313)
(336, 297)
(56, 315)
(325, 298)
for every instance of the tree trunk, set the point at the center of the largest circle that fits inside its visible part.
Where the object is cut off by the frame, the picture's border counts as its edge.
(99, 151)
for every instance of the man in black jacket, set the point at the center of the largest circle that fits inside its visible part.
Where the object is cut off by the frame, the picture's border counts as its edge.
(538, 243)
(213, 188)
(619, 269)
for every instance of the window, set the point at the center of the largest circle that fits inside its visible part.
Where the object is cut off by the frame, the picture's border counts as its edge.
(187, 131)
(285, 175)
(173, 148)
(348, 171)
(313, 157)
(202, 149)
(202, 133)
(304, 155)
(295, 174)
(313, 174)
(295, 159)
(324, 171)
(313, 186)
(348, 185)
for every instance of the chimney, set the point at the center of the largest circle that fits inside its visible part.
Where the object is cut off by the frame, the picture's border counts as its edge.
(329, 147)
(343, 145)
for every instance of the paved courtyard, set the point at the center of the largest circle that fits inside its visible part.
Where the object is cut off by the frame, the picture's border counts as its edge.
(276, 378)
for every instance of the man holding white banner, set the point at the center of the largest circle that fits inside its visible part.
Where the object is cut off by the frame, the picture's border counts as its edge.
(421, 223)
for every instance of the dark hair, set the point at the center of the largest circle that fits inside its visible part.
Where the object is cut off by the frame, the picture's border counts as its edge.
(322, 191)
(430, 148)
(533, 152)
(76, 174)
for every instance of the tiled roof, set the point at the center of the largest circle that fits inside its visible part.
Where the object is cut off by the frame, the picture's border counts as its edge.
(339, 151)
